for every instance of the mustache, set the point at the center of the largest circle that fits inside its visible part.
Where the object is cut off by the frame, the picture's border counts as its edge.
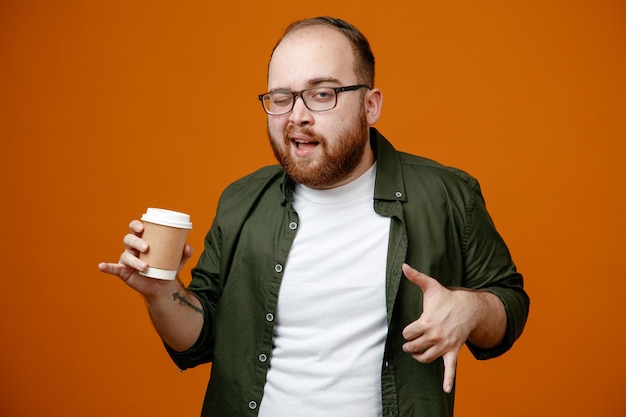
(303, 131)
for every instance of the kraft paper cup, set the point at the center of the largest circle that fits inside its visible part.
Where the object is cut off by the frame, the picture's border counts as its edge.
(166, 234)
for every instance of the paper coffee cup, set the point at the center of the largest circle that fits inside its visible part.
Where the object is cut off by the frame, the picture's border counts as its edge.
(166, 234)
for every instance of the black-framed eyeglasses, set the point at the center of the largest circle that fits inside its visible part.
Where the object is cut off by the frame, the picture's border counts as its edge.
(315, 99)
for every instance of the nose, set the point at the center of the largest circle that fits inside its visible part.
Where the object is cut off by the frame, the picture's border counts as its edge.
(300, 115)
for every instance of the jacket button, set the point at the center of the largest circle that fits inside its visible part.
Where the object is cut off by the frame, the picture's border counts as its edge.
(269, 317)
(252, 405)
(398, 194)
(262, 357)
(278, 268)
(293, 225)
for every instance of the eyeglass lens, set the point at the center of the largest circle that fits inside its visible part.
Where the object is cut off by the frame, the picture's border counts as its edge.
(316, 99)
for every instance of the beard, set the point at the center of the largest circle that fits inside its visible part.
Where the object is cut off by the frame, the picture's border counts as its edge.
(337, 160)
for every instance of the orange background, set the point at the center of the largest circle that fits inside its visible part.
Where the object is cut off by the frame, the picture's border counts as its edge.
(107, 108)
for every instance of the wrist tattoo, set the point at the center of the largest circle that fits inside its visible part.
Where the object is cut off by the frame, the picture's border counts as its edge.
(184, 301)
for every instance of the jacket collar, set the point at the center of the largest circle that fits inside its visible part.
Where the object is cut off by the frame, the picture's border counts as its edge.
(389, 178)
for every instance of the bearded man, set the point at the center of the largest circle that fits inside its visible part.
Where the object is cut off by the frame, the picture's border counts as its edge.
(306, 298)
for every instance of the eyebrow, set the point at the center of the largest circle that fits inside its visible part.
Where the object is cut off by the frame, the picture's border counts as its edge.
(314, 82)
(322, 80)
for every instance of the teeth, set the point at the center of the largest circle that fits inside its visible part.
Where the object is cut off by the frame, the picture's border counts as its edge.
(300, 141)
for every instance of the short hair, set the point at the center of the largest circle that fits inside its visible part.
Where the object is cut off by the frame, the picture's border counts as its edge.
(363, 56)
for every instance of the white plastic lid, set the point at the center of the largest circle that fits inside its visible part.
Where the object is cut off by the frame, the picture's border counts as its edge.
(167, 218)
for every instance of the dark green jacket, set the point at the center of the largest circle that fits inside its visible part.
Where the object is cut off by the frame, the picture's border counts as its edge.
(439, 225)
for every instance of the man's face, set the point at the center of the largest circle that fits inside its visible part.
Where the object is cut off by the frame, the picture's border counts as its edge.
(319, 149)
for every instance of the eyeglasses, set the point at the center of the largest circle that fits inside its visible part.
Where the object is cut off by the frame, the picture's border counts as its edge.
(315, 99)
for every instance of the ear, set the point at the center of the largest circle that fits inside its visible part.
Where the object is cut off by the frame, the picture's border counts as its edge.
(373, 102)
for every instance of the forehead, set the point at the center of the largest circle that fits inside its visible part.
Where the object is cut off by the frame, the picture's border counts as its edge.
(309, 55)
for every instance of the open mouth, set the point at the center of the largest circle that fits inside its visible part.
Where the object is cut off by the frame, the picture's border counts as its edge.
(303, 147)
(299, 143)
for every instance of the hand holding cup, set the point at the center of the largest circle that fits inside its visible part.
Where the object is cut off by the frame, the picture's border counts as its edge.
(153, 250)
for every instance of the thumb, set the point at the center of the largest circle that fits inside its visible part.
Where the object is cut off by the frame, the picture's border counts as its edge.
(421, 280)
(187, 254)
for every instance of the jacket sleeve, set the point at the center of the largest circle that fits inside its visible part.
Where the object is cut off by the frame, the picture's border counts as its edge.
(489, 267)
(205, 285)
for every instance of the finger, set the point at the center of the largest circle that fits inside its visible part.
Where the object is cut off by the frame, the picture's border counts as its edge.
(449, 373)
(104, 267)
(422, 357)
(423, 350)
(417, 350)
(135, 243)
(418, 346)
(420, 352)
(132, 261)
(136, 227)
(421, 280)
(110, 268)
(412, 331)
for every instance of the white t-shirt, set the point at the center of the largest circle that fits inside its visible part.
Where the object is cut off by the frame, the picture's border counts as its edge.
(331, 316)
